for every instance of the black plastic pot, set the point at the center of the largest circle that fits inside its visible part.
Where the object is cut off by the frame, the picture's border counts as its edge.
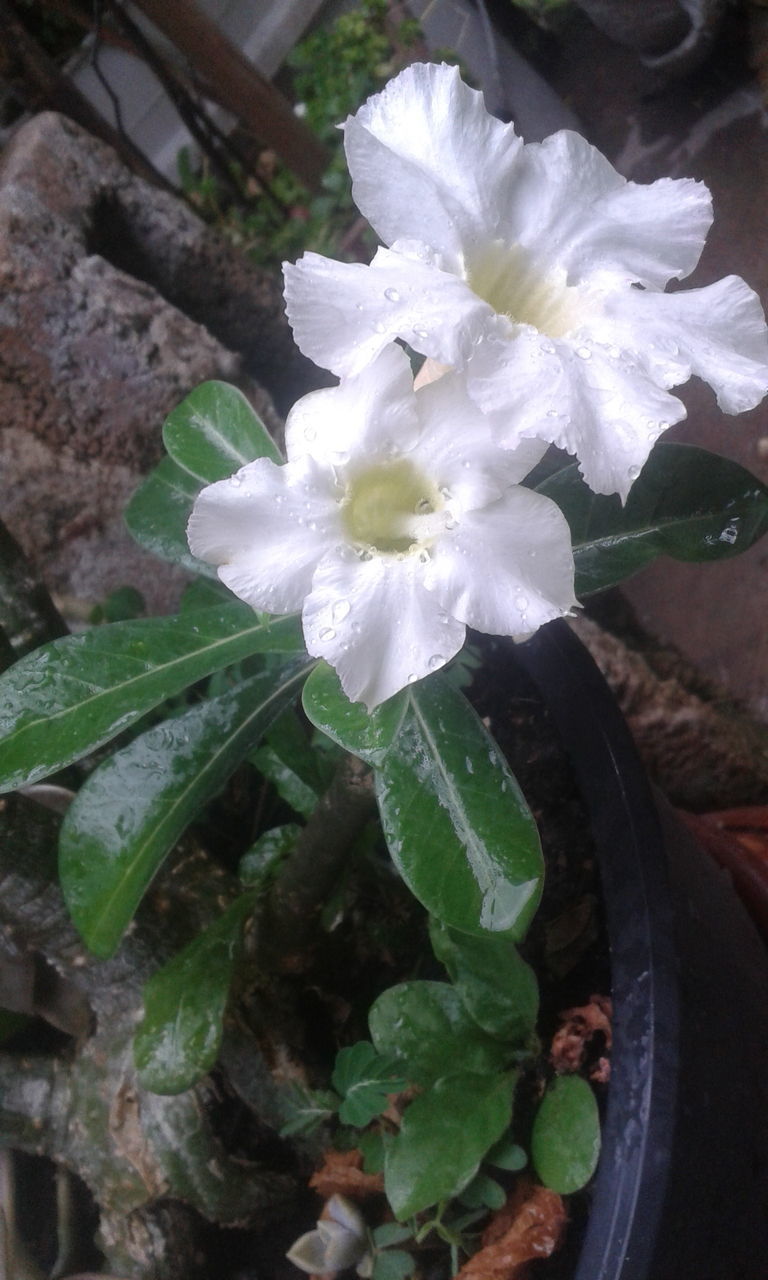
(681, 1190)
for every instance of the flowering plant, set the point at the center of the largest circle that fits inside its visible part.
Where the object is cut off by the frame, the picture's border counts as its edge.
(531, 278)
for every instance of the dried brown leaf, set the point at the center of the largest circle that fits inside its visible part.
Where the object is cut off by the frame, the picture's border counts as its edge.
(342, 1174)
(529, 1226)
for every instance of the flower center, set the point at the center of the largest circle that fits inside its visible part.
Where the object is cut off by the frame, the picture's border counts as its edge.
(384, 504)
(504, 277)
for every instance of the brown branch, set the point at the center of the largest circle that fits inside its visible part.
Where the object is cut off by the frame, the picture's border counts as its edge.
(233, 82)
(310, 872)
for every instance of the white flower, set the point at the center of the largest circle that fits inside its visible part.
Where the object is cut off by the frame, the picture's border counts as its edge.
(538, 270)
(395, 523)
(339, 1241)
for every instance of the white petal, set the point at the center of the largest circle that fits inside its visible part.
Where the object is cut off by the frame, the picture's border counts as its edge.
(573, 210)
(427, 159)
(718, 333)
(266, 528)
(457, 450)
(368, 414)
(344, 313)
(591, 399)
(507, 569)
(376, 624)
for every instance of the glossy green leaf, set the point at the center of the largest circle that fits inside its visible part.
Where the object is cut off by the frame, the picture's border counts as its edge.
(496, 986)
(426, 1027)
(184, 1003)
(687, 503)
(444, 1135)
(455, 820)
(366, 734)
(70, 696)
(132, 809)
(565, 1139)
(158, 513)
(299, 773)
(258, 865)
(364, 1078)
(215, 431)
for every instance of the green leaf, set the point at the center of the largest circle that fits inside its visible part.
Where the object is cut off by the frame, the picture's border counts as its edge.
(496, 986)
(565, 1139)
(425, 1026)
(290, 762)
(215, 431)
(68, 697)
(483, 1193)
(132, 809)
(443, 1137)
(259, 863)
(507, 1154)
(687, 503)
(393, 1264)
(364, 1078)
(184, 1002)
(368, 735)
(455, 820)
(158, 513)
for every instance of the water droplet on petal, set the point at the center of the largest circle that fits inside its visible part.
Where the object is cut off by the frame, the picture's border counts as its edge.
(392, 295)
(552, 413)
(424, 556)
(450, 523)
(583, 353)
(421, 333)
(436, 660)
(423, 507)
(445, 491)
(521, 601)
(379, 327)
(310, 433)
(235, 481)
(548, 348)
(633, 472)
(340, 610)
(327, 633)
(411, 678)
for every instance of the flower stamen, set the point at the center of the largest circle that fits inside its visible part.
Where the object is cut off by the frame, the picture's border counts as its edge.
(385, 506)
(504, 277)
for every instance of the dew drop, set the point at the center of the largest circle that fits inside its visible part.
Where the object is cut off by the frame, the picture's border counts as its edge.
(614, 352)
(392, 295)
(411, 678)
(310, 433)
(327, 633)
(466, 464)
(548, 348)
(421, 333)
(235, 481)
(633, 472)
(424, 556)
(445, 491)
(424, 507)
(450, 523)
(583, 353)
(279, 499)
(521, 601)
(552, 413)
(340, 610)
(436, 660)
(379, 327)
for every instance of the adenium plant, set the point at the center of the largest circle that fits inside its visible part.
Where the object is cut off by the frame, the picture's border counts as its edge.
(412, 504)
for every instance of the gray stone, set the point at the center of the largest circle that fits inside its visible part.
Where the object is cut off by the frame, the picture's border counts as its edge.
(115, 301)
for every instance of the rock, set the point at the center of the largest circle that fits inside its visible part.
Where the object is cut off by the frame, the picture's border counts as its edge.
(116, 301)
